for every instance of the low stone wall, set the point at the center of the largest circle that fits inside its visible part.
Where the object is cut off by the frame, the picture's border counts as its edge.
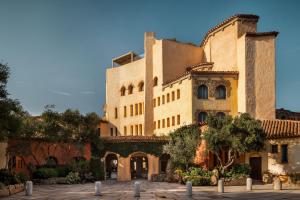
(11, 189)
(235, 181)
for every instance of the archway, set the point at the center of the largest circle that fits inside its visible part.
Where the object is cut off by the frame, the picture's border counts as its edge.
(111, 166)
(139, 166)
(163, 163)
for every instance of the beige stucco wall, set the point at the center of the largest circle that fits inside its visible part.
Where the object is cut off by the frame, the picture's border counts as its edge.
(3, 146)
(274, 160)
(264, 159)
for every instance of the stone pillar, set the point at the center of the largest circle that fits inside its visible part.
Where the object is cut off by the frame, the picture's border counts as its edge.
(153, 166)
(221, 186)
(249, 184)
(189, 188)
(28, 188)
(124, 169)
(277, 184)
(98, 188)
(136, 192)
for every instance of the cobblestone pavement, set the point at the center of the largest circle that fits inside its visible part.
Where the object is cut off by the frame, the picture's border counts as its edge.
(150, 190)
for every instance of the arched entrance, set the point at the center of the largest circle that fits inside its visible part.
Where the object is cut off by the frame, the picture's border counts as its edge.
(139, 166)
(111, 166)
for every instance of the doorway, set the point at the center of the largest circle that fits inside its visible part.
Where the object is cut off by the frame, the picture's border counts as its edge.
(111, 163)
(139, 167)
(255, 164)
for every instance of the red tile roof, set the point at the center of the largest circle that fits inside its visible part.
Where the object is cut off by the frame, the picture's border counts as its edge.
(121, 139)
(241, 16)
(276, 129)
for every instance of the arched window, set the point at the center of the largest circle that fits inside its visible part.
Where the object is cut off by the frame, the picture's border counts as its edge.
(130, 89)
(51, 161)
(220, 114)
(155, 80)
(141, 86)
(123, 89)
(202, 116)
(202, 92)
(221, 92)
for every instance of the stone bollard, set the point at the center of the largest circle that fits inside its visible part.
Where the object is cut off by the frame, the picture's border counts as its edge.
(221, 186)
(189, 188)
(249, 184)
(277, 184)
(136, 192)
(28, 188)
(98, 188)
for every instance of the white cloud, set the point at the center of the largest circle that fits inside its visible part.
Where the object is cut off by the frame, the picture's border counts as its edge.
(60, 92)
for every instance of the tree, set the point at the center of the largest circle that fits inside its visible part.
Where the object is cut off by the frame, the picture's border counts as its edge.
(10, 110)
(235, 136)
(183, 144)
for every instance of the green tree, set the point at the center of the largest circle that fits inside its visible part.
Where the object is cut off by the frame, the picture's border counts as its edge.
(235, 136)
(10, 110)
(183, 144)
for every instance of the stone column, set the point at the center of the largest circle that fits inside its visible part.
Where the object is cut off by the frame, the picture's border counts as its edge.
(28, 188)
(221, 186)
(136, 192)
(189, 188)
(98, 188)
(249, 184)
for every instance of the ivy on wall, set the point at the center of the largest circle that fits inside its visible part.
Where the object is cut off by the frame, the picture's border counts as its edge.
(124, 149)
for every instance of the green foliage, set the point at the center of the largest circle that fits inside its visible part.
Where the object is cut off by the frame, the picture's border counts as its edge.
(183, 144)
(197, 171)
(11, 111)
(63, 170)
(73, 178)
(7, 177)
(97, 168)
(44, 173)
(22, 178)
(238, 170)
(198, 180)
(126, 148)
(82, 167)
(235, 135)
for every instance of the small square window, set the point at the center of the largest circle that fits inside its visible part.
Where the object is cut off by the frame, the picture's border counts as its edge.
(274, 148)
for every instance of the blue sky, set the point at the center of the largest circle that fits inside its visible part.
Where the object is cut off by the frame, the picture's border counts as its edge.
(58, 50)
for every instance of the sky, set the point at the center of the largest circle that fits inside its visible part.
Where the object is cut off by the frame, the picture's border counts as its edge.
(58, 50)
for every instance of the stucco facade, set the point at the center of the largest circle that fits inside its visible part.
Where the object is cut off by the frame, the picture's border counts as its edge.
(173, 84)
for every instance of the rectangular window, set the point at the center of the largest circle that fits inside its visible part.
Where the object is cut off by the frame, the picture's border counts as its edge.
(131, 110)
(158, 124)
(284, 153)
(163, 123)
(173, 121)
(158, 101)
(163, 99)
(168, 98)
(116, 131)
(136, 109)
(168, 122)
(125, 130)
(131, 129)
(141, 129)
(178, 94)
(125, 111)
(154, 124)
(111, 132)
(116, 113)
(178, 119)
(154, 103)
(140, 108)
(274, 148)
(173, 96)
(136, 129)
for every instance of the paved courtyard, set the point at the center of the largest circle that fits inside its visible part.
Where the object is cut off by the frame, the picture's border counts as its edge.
(150, 190)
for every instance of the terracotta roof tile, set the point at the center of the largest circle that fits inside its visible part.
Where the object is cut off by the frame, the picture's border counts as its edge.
(121, 139)
(242, 16)
(276, 129)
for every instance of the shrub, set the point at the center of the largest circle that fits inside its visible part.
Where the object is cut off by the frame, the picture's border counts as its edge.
(22, 178)
(238, 171)
(97, 169)
(73, 178)
(44, 173)
(82, 167)
(198, 171)
(63, 170)
(7, 177)
(198, 180)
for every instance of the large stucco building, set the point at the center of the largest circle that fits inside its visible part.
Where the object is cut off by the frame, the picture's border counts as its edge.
(173, 84)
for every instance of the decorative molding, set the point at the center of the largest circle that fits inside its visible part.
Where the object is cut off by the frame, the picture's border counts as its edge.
(212, 84)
